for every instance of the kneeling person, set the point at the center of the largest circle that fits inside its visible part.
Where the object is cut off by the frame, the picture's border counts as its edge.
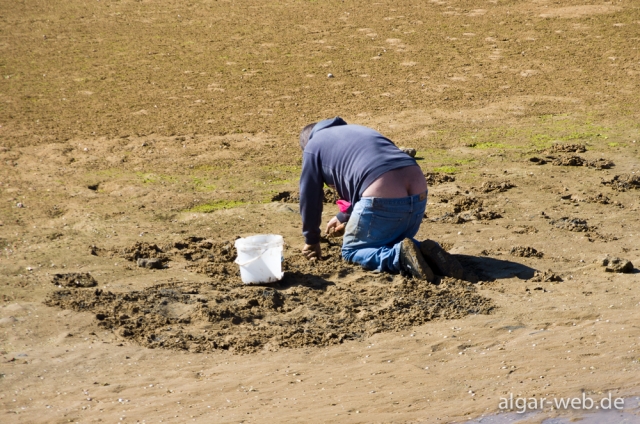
(387, 192)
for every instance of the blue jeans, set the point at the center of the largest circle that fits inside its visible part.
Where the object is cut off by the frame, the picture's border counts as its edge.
(377, 227)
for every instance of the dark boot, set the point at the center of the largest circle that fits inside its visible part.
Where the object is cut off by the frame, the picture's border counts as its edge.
(413, 263)
(441, 262)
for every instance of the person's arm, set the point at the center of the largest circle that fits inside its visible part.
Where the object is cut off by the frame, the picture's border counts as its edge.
(337, 224)
(311, 195)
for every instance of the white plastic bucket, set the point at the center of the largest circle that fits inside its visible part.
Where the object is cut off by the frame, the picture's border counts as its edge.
(260, 258)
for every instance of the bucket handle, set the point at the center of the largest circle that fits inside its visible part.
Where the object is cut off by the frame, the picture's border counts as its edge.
(251, 260)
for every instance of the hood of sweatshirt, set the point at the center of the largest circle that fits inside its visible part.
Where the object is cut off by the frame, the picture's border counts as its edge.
(333, 122)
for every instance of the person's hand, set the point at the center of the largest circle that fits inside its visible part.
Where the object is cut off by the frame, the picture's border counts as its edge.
(335, 228)
(311, 251)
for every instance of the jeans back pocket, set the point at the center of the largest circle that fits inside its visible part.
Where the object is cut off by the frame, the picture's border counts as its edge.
(386, 226)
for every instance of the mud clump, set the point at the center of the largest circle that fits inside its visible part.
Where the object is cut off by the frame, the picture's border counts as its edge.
(568, 148)
(525, 252)
(578, 161)
(465, 209)
(538, 161)
(602, 200)
(301, 311)
(206, 257)
(194, 253)
(600, 164)
(434, 178)
(569, 161)
(546, 276)
(152, 263)
(616, 264)
(571, 224)
(74, 279)
(623, 182)
(478, 214)
(595, 236)
(497, 186)
(286, 197)
(599, 198)
(97, 251)
(141, 250)
(330, 196)
(465, 203)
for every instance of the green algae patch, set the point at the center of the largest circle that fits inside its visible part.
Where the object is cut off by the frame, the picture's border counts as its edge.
(201, 184)
(489, 145)
(446, 169)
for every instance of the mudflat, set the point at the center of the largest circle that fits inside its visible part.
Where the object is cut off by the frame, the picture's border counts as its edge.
(139, 140)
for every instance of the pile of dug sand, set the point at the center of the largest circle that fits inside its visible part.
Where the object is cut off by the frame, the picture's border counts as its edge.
(306, 308)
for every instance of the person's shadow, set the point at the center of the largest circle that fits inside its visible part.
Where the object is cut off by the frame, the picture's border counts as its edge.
(490, 269)
(477, 268)
(300, 279)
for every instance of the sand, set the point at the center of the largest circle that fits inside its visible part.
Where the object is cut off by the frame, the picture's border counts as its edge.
(139, 140)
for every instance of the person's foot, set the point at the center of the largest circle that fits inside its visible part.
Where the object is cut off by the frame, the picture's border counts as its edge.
(413, 263)
(442, 262)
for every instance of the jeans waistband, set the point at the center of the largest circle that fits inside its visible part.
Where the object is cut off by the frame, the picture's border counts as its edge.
(409, 200)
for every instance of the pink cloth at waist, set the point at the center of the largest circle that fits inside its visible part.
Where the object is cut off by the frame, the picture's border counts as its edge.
(343, 205)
